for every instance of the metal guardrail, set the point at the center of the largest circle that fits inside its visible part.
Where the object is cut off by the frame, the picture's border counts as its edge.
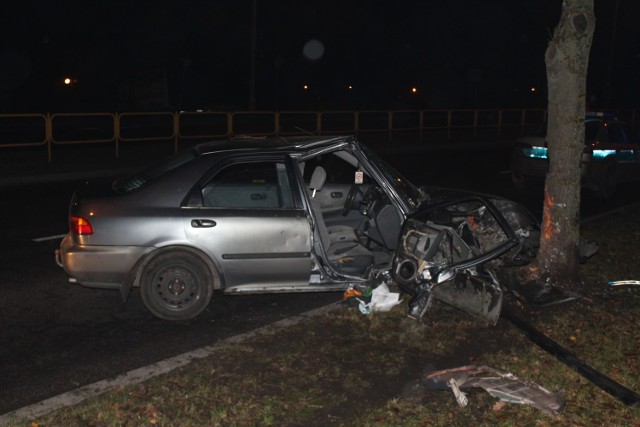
(49, 130)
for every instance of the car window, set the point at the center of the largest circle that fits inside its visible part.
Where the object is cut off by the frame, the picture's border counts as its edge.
(411, 194)
(256, 185)
(628, 135)
(338, 170)
(134, 182)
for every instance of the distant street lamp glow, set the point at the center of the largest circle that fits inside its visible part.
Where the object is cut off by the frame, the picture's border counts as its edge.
(350, 88)
(414, 90)
(305, 87)
(67, 81)
(533, 89)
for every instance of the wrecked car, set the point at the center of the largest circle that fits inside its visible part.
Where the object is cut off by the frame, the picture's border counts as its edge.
(450, 247)
(289, 215)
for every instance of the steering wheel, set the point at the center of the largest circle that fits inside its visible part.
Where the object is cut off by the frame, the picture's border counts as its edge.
(351, 197)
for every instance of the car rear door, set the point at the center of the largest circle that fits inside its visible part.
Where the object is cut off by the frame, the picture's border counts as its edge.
(249, 220)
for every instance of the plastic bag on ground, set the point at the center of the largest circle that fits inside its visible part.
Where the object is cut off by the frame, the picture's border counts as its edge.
(381, 300)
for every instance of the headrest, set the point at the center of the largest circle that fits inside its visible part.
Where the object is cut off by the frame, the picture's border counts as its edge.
(318, 179)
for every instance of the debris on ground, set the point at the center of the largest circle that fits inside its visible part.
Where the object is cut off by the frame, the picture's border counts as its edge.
(536, 293)
(625, 283)
(498, 383)
(614, 388)
(381, 300)
(546, 294)
(586, 250)
(377, 299)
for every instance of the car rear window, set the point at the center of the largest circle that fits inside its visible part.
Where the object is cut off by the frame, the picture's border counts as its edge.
(138, 180)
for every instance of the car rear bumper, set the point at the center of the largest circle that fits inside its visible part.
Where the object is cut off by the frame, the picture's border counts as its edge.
(97, 266)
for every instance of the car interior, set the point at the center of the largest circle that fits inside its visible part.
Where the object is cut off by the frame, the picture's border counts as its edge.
(356, 223)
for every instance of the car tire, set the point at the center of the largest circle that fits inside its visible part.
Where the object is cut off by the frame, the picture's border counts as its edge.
(608, 182)
(177, 285)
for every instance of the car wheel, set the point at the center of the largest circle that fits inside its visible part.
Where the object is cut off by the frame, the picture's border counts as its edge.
(176, 285)
(608, 182)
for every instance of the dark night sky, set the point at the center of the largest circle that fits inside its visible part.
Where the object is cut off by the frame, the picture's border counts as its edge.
(170, 54)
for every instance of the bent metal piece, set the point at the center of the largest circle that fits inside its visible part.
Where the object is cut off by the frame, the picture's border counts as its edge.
(478, 295)
(617, 390)
(501, 384)
(625, 283)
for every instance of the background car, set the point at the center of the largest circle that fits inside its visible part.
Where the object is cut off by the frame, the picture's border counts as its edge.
(611, 156)
(280, 215)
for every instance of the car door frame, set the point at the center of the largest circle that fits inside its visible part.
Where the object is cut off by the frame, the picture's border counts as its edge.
(263, 269)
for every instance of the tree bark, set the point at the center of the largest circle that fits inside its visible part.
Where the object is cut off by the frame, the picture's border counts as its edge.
(566, 58)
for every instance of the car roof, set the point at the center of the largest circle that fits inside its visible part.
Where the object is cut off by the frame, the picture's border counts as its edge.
(297, 143)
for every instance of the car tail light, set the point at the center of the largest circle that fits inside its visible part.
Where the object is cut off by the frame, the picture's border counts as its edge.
(80, 225)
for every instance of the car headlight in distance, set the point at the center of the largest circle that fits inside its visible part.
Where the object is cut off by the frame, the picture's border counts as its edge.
(601, 154)
(535, 152)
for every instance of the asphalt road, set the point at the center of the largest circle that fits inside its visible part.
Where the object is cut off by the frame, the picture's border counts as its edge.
(55, 336)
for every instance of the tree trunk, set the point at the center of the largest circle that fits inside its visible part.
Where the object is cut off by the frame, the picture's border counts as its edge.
(567, 58)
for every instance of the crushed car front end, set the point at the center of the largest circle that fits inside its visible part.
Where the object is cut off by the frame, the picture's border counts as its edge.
(449, 250)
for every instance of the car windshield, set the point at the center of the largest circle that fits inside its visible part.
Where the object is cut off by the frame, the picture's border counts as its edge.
(412, 195)
(138, 180)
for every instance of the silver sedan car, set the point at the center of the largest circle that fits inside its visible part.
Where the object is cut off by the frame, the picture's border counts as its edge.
(289, 215)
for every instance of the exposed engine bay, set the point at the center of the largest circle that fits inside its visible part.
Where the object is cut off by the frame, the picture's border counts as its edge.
(450, 251)
(432, 242)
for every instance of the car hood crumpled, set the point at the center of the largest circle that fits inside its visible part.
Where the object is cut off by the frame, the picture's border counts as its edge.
(451, 244)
